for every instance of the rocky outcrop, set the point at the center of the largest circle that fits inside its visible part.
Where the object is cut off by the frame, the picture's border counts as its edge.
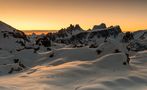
(66, 32)
(83, 37)
(128, 37)
(87, 36)
(99, 27)
(8, 30)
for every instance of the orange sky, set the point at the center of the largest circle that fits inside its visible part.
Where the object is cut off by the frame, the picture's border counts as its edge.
(56, 14)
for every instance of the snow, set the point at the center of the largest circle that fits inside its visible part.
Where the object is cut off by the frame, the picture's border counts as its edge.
(81, 70)
(6, 27)
(72, 68)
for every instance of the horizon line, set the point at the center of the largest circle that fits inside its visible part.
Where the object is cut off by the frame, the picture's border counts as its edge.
(69, 25)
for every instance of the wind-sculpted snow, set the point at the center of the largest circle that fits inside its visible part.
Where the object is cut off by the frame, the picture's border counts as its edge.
(74, 59)
(105, 73)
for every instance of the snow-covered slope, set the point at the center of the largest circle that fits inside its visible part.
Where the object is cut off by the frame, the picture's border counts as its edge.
(6, 27)
(10, 37)
(105, 73)
(41, 64)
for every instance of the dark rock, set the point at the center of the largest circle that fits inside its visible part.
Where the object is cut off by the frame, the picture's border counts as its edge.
(36, 49)
(93, 46)
(127, 37)
(98, 52)
(22, 65)
(51, 55)
(16, 60)
(101, 26)
(49, 49)
(117, 51)
(43, 41)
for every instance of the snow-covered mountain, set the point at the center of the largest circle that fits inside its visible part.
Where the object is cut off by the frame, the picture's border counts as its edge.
(11, 37)
(16, 49)
(8, 30)
(6, 27)
(84, 37)
(66, 32)
(104, 58)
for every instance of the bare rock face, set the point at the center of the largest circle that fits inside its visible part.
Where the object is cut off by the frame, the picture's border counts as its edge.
(77, 27)
(99, 27)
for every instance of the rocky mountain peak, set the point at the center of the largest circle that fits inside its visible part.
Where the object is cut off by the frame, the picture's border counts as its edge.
(99, 27)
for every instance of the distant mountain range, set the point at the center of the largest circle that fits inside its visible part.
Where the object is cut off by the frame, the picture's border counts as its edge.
(38, 32)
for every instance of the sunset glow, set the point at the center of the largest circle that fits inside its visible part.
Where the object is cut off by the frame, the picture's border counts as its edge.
(57, 14)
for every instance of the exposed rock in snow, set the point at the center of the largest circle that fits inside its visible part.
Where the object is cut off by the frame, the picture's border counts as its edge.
(67, 63)
(102, 26)
(83, 37)
(8, 30)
